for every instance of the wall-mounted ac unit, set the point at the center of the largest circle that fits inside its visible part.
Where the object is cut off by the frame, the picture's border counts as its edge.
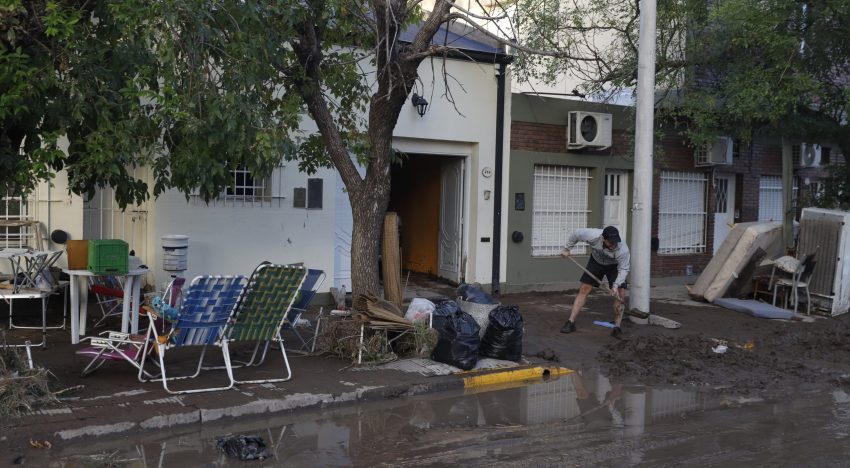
(589, 130)
(717, 152)
(810, 155)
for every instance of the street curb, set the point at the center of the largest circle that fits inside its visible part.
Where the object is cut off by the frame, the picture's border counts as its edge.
(188, 413)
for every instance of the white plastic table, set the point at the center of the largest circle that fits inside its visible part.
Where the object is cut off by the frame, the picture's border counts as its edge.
(80, 297)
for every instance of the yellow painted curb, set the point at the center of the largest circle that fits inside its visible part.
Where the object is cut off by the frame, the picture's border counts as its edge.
(513, 376)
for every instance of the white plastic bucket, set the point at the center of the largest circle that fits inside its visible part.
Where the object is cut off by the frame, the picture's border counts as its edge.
(175, 252)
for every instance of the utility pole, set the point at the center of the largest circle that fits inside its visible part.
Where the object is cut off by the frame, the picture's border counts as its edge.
(787, 195)
(644, 128)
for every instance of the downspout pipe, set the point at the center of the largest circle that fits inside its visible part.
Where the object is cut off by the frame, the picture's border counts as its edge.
(497, 186)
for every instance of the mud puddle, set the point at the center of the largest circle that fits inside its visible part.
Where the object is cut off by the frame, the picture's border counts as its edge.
(582, 419)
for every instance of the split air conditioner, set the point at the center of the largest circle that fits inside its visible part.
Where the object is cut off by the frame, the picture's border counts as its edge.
(810, 155)
(590, 130)
(717, 152)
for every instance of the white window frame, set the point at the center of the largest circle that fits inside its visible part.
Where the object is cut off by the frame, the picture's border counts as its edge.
(246, 190)
(15, 236)
(682, 213)
(560, 206)
(771, 198)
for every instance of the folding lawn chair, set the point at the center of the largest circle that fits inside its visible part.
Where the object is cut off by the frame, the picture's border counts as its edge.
(312, 282)
(260, 313)
(200, 321)
(109, 294)
(117, 346)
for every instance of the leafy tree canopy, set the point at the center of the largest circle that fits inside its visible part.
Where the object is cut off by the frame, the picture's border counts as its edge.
(192, 89)
(739, 67)
(196, 88)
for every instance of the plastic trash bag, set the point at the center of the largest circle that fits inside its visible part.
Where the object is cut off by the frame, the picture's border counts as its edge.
(474, 293)
(420, 309)
(459, 340)
(480, 312)
(503, 338)
(445, 308)
(244, 447)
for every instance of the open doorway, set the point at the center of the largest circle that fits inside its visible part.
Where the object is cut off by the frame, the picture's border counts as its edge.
(428, 195)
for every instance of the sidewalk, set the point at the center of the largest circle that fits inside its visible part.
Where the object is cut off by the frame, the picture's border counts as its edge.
(111, 401)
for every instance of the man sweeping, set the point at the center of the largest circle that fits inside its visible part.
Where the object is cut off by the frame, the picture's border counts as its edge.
(609, 261)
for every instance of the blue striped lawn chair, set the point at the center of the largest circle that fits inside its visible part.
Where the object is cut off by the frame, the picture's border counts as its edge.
(261, 311)
(201, 319)
(312, 282)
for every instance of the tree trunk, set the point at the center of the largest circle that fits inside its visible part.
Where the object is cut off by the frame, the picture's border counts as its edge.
(368, 206)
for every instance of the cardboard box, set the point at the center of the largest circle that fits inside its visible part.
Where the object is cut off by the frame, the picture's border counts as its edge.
(78, 254)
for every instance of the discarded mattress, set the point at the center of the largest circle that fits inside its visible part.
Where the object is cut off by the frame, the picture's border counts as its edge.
(754, 308)
(734, 254)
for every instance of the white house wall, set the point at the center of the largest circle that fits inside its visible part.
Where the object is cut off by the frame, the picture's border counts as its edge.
(56, 208)
(470, 128)
(233, 240)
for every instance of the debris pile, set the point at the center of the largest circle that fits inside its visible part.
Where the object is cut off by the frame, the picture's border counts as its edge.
(744, 367)
(341, 338)
(21, 389)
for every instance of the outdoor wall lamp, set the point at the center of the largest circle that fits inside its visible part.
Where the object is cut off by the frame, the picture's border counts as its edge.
(420, 103)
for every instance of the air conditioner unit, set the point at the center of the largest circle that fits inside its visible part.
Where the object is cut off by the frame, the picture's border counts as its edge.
(717, 152)
(810, 155)
(588, 130)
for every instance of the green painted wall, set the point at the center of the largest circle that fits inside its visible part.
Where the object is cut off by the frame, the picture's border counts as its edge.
(550, 110)
(525, 272)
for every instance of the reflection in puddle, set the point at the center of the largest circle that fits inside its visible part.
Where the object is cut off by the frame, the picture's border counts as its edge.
(579, 419)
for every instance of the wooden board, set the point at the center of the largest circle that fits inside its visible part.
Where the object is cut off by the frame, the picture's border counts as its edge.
(391, 261)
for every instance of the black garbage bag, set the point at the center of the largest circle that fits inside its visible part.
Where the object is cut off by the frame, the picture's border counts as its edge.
(445, 307)
(474, 293)
(503, 337)
(244, 447)
(458, 343)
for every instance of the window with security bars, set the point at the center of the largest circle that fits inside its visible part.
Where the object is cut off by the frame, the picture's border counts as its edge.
(771, 198)
(14, 212)
(560, 207)
(246, 189)
(721, 195)
(682, 213)
(612, 185)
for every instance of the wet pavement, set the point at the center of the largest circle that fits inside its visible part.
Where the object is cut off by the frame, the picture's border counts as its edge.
(776, 397)
(581, 419)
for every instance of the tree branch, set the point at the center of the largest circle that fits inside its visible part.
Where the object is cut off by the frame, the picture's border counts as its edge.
(309, 53)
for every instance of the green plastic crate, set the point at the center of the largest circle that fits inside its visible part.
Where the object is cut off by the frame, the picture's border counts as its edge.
(108, 256)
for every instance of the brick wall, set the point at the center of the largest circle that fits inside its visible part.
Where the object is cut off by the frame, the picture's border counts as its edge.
(750, 162)
(545, 138)
(550, 138)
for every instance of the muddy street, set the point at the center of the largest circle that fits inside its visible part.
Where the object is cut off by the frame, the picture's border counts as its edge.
(581, 419)
(777, 395)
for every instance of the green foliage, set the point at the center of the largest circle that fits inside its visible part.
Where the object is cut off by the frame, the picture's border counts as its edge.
(192, 89)
(836, 190)
(740, 67)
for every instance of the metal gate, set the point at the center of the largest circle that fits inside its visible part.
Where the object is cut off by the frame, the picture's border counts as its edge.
(104, 219)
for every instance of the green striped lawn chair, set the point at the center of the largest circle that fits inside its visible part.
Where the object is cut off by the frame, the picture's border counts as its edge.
(260, 313)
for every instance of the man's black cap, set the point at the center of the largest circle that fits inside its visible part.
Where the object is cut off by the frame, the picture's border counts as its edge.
(611, 234)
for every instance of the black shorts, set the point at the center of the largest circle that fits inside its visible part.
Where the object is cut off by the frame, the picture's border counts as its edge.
(609, 272)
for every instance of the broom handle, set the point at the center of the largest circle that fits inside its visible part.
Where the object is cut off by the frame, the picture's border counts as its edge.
(603, 285)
